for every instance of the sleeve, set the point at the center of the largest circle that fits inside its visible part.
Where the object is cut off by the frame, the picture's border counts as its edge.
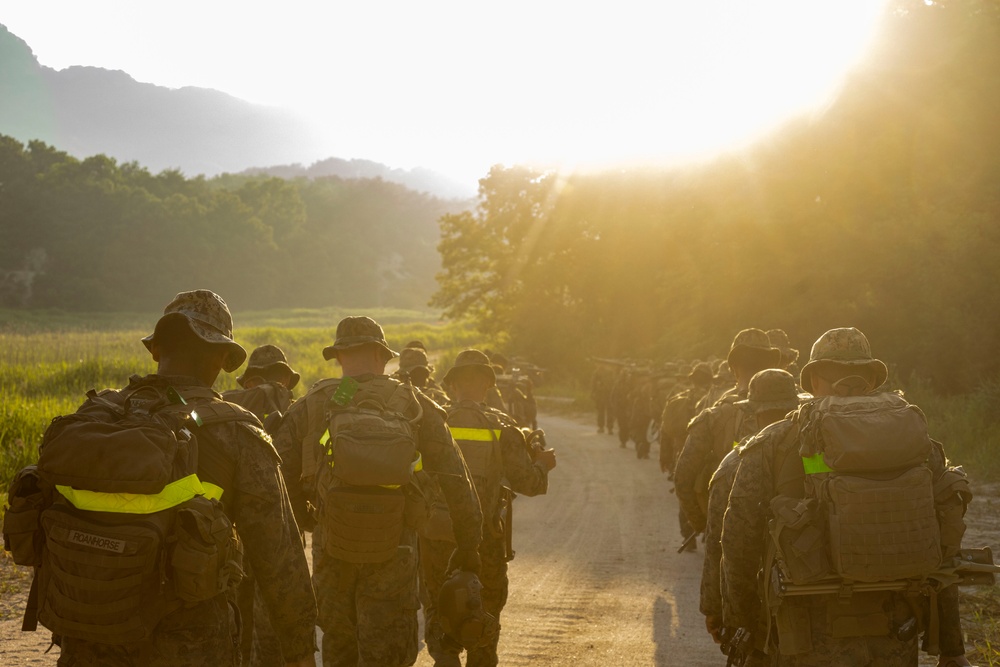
(524, 476)
(692, 460)
(288, 443)
(442, 457)
(711, 572)
(743, 528)
(264, 519)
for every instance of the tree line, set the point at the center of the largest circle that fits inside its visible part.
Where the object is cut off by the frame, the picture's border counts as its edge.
(883, 212)
(94, 234)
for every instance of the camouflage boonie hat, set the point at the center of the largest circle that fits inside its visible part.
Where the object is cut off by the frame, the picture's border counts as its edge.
(210, 320)
(754, 342)
(771, 389)
(779, 339)
(847, 347)
(417, 344)
(474, 361)
(354, 331)
(265, 357)
(413, 357)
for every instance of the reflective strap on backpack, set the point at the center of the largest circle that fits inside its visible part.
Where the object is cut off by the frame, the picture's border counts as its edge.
(172, 495)
(814, 465)
(474, 434)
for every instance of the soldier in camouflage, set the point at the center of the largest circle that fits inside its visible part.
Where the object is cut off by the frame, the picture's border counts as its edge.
(513, 468)
(191, 344)
(789, 355)
(368, 611)
(771, 396)
(415, 370)
(811, 628)
(716, 430)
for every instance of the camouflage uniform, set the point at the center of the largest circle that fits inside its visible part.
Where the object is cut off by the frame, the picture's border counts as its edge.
(255, 499)
(621, 404)
(411, 359)
(769, 390)
(518, 473)
(714, 432)
(368, 611)
(771, 465)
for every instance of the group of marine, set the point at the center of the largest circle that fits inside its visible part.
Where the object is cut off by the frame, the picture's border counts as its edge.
(166, 522)
(831, 521)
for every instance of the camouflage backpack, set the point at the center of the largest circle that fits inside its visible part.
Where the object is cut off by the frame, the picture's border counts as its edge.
(115, 519)
(365, 487)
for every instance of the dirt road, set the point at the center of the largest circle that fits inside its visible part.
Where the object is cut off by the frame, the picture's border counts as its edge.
(596, 579)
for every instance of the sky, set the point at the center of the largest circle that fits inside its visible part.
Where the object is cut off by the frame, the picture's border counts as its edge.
(459, 85)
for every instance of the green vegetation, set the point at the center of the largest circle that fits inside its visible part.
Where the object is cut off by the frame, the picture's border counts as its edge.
(45, 372)
(880, 212)
(95, 235)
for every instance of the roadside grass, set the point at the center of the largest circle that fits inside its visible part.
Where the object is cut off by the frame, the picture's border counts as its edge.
(981, 622)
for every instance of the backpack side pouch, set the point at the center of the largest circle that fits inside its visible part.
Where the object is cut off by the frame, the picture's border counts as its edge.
(22, 528)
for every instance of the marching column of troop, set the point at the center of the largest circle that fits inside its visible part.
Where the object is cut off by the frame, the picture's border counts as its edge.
(832, 522)
(165, 522)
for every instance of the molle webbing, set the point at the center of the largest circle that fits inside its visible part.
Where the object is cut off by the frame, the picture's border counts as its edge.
(362, 526)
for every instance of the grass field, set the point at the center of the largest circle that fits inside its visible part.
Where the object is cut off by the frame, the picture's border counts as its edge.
(48, 361)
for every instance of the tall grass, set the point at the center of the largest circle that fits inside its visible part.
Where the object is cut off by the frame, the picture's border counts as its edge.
(47, 364)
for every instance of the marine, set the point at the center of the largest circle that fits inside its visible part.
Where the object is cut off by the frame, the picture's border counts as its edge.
(364, 529)
(772, 491)
(501, 465)
(191, 344)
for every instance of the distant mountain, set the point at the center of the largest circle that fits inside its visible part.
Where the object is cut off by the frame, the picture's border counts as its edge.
(89, 110)
(419, 179)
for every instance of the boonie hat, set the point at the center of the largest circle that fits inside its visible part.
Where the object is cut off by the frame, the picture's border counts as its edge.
(264, 358)
(754, 342)
(209, 318)
(846, 347)
(411, 358)
(472, 361)
(771, 389)
(354, 331)
(701, 371)
(779, 339)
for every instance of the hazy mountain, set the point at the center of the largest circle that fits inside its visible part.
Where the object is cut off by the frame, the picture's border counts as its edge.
(89, 110)
(419, 179)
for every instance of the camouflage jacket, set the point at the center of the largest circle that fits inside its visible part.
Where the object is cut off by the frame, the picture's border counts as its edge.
(711, 435)
(256, 501)
(515, 470)
(306, 421)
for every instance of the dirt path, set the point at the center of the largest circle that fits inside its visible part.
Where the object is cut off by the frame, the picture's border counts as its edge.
(596, 580)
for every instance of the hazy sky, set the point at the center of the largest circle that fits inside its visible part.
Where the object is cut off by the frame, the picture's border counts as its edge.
(459, 85)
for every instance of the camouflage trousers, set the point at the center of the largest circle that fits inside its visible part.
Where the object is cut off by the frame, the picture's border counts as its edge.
(203, 634)
(260, 646)
(433, 562)
(367, 611)
(817, 622)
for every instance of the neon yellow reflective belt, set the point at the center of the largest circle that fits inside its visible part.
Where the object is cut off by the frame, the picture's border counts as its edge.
(813, 465)
(474, 434)
(172, 495)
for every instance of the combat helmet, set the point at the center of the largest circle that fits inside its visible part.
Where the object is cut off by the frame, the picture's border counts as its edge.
(463, 618)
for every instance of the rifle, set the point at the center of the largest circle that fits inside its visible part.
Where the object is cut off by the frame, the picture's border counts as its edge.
(690, 538)
(975, 567)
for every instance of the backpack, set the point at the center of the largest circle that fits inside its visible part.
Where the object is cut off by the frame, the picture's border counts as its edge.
(366, 488)
(869, 512)
(268, 401)
(115, 520)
